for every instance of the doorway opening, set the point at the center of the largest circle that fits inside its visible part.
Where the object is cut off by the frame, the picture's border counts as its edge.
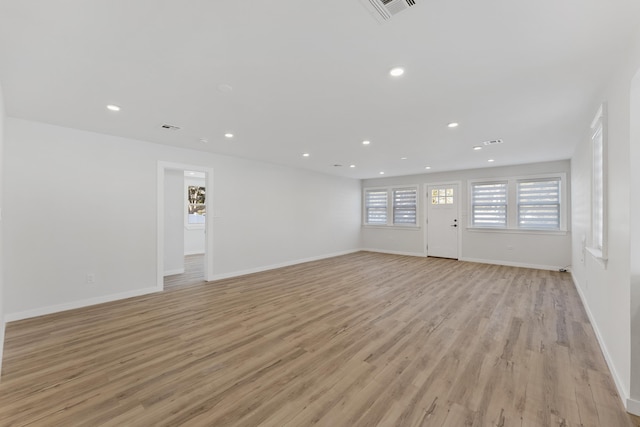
(185, 238)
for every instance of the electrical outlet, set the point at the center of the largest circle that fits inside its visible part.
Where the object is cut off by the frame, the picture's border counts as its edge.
(91, 279)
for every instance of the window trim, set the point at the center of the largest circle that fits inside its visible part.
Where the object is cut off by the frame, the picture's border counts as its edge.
(559, 203)
(472, 205)
(512, 203)
(187, 224)
(600, 124)
(364, 206)
(392, 194)
(390, 206)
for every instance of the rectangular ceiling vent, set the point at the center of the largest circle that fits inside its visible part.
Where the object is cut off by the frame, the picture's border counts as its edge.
(169, 127)
(493, 142)
(383, 10)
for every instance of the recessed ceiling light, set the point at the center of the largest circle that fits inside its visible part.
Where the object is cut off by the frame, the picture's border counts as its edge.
(427, 167)
(306, 155)
(352, 166)
(396, 72)
(453, 125)
(112, 107)
(403, 158)
(366, 142)
(381, 173)
(477, 148)
(491, 160)
(228, 135)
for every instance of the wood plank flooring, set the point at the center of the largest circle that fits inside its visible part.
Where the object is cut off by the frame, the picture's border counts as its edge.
(359, 340)
(193, 273)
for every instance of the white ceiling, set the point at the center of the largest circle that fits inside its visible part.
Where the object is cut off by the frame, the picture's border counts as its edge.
(312, 76)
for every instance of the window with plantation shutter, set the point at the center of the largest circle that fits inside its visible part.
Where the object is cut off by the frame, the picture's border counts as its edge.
(539, 204)
(489, 204)
(597, 188)
(522, 204)
(598, 245)
(376, 207)
(404, 206)
(391, 206)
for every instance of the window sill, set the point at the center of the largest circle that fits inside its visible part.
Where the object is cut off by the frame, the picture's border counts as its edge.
(194, 227)
(392, 227)
(517, 231)
(598, 256)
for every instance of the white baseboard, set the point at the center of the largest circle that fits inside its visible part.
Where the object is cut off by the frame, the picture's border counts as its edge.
(279, 265)
(480, 261)
(624, 396)
(172, 272)
(513, 264)
(383, 251)
(12, 317)
(2, 329)
(633, 406)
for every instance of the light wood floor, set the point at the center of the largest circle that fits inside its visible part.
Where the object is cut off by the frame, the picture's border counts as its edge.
(359, 340)
(193, 273)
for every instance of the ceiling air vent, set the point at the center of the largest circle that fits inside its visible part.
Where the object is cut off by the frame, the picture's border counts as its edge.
(493, 142)
(169, 127)
(383, 10)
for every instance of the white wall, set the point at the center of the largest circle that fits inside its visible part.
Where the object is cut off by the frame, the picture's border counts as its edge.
(635, 243)
(534, 250)
(606, 292)
(194, 238)
(173, 222)
(2, 304)
(266, 215)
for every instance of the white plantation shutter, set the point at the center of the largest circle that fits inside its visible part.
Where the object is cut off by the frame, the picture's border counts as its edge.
(404, 205)
(376, 206)
(489, 204)
(539, 204)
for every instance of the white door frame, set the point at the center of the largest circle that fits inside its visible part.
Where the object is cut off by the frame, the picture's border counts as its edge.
(426, 213)
(208, 225)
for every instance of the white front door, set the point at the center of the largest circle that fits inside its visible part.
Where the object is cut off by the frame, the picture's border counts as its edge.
(442, 221)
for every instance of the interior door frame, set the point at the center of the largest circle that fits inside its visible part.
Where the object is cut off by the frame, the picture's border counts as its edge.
(208, 225)
(426, 204)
